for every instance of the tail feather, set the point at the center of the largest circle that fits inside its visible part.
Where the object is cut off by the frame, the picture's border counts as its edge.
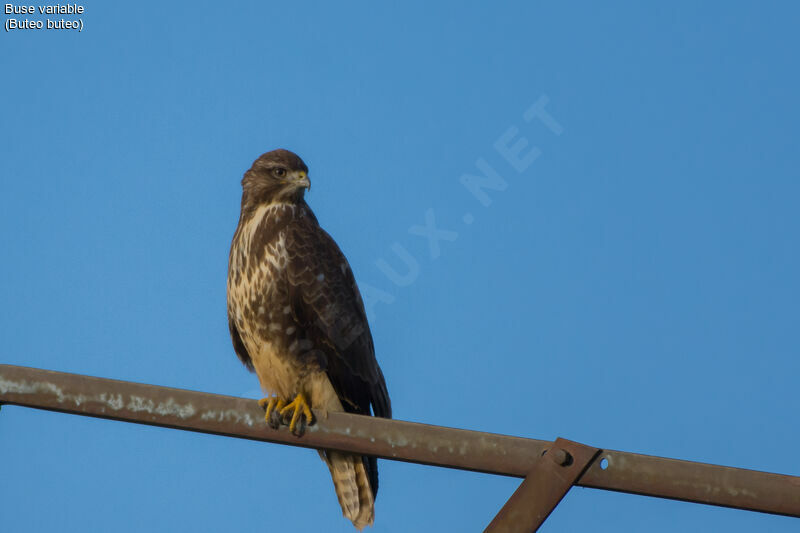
(351, 482)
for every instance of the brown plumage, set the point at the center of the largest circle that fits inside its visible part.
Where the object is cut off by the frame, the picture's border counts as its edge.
(297, 319)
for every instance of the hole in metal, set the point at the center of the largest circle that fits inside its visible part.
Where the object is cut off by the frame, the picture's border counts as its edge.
(603, 463)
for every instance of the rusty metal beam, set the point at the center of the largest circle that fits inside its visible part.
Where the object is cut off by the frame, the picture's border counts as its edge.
(551, 477)
(243, 418)
(394, 439)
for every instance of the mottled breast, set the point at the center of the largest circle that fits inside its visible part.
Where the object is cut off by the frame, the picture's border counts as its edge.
(259, 296)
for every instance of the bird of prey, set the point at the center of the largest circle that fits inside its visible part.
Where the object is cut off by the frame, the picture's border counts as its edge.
(297, 320)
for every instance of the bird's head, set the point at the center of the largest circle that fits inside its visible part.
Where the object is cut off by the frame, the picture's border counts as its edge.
(277, 176)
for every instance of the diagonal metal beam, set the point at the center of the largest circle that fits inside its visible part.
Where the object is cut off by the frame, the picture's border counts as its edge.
(394, 439)
(551, 477)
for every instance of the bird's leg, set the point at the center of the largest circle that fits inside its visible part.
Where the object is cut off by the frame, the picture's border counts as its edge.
(273, 406)
(301, 412)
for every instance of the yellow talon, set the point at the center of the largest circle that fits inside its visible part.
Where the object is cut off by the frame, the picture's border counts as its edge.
(299, 406)
(273, 403)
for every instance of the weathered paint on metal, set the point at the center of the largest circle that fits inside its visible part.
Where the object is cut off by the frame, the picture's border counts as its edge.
(394, 439)
(243, 418)
(695, 482)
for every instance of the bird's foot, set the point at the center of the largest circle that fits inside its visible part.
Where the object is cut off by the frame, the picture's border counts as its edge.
(300, 414)
(272, 406)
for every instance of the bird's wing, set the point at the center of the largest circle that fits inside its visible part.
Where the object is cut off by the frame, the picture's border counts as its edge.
(327, 304)
(238, 345)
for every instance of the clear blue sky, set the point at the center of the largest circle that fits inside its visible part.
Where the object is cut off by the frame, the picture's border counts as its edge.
(634, 287)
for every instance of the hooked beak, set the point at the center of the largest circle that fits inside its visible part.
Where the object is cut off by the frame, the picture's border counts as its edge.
(301, 180)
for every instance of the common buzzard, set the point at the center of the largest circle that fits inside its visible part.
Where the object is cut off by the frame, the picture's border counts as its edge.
(297, 319)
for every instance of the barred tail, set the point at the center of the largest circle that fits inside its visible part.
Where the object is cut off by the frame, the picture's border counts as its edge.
(352, 487)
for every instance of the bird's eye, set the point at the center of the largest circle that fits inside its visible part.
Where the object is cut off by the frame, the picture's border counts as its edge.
(279, 172)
